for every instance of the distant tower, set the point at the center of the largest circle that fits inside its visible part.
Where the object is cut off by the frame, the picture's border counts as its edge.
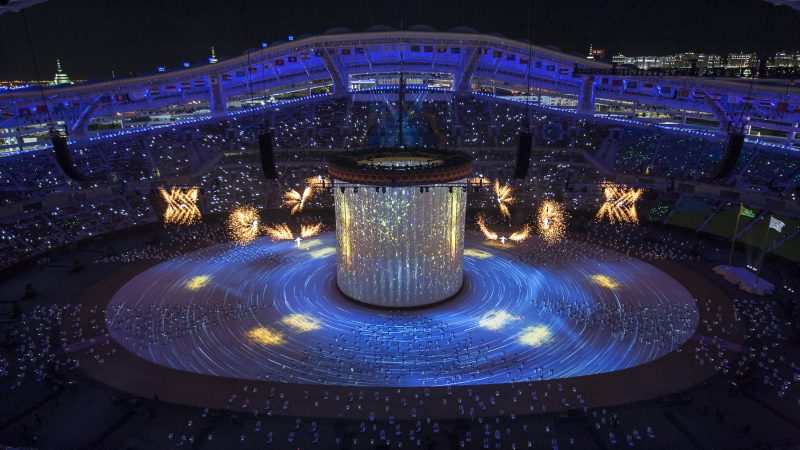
(213, 58)
(597, 54)
(61, 77)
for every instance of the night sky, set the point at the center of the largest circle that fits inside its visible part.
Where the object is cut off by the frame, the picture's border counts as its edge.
(94, 37)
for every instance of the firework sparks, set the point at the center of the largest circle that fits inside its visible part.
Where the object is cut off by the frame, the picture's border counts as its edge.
(521, 235)
(487, 233)
(243, 224)
(504, 197)
(552, 222)
(295, 200)
(307, 231)
(620, 203)
(516, 236)
(181, 205)
(279, 232)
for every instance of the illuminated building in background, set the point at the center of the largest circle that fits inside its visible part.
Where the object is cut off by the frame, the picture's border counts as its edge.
(785, 59)
(619, 59)
(641, 62)
(400, 225)
(741, 60)
(678, 61)
(597, 54)
(61, 77)
(709, 61)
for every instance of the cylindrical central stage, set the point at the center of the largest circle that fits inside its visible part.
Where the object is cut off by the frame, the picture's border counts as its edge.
(400, 225)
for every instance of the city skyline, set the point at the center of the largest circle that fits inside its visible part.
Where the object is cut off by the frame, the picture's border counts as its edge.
(103, 38)
(732, 59)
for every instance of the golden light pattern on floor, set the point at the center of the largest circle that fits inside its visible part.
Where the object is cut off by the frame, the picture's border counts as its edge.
(525, 289)
(620, 203)
(551, 222)
(475, 253)
(505, 244)
(535, 336)
(181, 205)
(197, 282)
(311, 243)
(301, 323)
(604, 281)
(279, 232)
(495, 320)
(322, 252)
(243, 224)
(504, 197)
(265, 336)
(295, 200)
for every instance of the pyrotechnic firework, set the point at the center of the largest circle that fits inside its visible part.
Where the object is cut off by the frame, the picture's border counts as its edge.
(516, 236)
(552, 222)
(521, 235)
(307, 231)
(279, 232)
(243, 224)
(181, 205)
(295, 200)
(487, 233)
(620, 204)
(318, 182)
(504, 197)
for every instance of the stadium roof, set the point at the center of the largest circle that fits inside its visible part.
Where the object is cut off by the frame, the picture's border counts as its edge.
(17, 5)
(790, 3)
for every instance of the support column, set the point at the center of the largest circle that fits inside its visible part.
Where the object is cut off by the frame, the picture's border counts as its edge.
(586, 96)
(217, 101)
(468, 69)
(330, 60)
(80, 127)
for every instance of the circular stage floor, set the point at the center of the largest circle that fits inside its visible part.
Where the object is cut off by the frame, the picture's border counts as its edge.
(271, 311)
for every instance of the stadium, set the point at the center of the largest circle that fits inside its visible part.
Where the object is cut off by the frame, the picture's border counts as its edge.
(402, 238)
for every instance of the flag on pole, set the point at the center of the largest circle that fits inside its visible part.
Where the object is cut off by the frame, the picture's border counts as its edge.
(776, 224)
(746, 212)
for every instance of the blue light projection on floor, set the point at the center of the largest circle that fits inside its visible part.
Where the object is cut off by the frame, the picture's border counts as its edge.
(272, 311)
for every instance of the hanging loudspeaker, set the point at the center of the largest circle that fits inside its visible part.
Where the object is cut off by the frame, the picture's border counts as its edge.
(732, 151)
(523, 155)
(267, 161)
(64, 158)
